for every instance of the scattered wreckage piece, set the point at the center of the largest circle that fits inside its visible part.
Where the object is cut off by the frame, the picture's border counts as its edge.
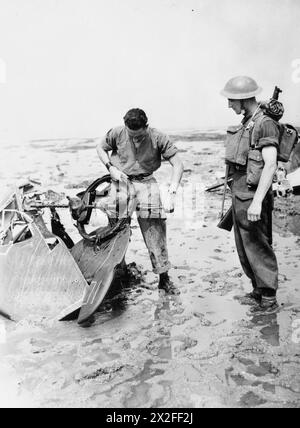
(38, 275)
(287, 183)
(99, 263)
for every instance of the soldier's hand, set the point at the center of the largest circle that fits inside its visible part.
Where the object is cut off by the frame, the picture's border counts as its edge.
(117, 175)
(254, 211)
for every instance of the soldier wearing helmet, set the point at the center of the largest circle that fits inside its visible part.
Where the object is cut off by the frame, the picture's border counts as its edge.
(251, 158)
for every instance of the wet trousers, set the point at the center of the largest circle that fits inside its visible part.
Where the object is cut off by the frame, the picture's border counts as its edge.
(150, 215)
(254, 239)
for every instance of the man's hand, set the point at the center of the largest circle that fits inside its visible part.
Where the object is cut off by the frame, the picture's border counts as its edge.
(254, 211)
(170, 203)
(117, 175)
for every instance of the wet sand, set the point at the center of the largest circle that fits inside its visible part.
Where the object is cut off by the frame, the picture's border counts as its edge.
(145, 349)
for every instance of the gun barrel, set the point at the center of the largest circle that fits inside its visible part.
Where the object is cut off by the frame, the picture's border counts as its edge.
(276, 93)
(49, 206)
(58, 206)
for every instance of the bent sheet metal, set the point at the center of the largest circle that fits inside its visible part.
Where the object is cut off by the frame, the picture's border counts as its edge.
(40, 277)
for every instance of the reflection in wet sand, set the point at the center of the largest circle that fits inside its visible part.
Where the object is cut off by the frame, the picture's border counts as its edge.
(270, 328)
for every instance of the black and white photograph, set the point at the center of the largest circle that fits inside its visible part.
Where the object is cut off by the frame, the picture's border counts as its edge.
(150, 206)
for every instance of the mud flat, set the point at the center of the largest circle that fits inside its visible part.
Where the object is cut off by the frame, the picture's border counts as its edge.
(145, 349)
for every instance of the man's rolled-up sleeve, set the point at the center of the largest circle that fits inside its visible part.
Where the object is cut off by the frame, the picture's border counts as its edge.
(108, 142)
(269, 135)
(167, 148)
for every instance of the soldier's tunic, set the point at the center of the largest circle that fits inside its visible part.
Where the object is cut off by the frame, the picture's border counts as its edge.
(253, 239)
(139, 162)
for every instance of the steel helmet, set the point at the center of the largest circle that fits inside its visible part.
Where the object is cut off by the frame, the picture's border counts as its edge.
(241, 88)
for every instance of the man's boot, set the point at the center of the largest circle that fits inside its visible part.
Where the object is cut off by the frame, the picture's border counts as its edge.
(268, 305)
(167, 285)
(252, 298)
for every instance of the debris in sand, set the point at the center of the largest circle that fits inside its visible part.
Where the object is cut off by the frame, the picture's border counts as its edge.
(104, 373)
(203, 321)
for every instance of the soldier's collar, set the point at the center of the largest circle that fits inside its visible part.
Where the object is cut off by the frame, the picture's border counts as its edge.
(251, 116)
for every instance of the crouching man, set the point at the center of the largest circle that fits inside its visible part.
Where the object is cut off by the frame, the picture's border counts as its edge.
(136, 152)
(251, 156)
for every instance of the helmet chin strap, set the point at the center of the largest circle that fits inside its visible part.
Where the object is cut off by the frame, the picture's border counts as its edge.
(243, 110)
(251, 123)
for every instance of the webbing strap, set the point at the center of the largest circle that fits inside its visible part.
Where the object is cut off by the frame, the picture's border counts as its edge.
(253, 131)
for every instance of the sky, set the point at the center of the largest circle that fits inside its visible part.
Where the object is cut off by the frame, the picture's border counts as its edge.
(72, 68)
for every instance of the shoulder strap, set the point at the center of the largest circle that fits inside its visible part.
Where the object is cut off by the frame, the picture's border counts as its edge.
(255, 130)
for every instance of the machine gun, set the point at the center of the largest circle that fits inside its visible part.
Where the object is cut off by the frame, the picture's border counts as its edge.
(274, 108)
(217, 186)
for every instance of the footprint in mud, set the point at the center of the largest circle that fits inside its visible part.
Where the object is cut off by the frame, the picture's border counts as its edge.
(263, 369)
(266, 386)
(251, 400)
(161, 348)
(240, 380)
(245, 361)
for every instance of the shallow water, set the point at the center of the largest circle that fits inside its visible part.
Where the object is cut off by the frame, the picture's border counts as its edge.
(200, 349)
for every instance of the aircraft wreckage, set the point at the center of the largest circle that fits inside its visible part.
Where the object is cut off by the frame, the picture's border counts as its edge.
(42, 272)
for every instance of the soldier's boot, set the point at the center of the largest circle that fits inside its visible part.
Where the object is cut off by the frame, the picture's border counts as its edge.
(268, 305)
(167, 285)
